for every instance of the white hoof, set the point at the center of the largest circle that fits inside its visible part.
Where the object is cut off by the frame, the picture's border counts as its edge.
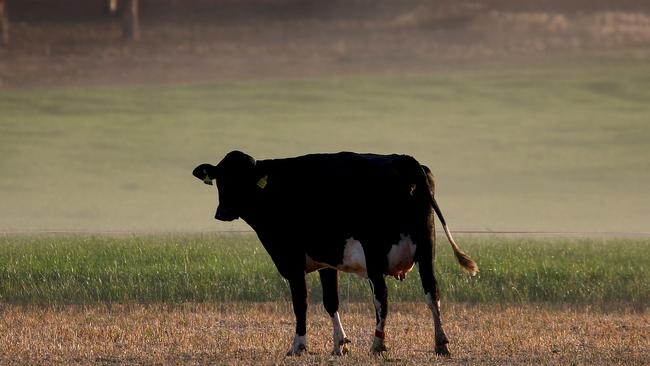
(299, 346)
(341, 347)
(378, 346)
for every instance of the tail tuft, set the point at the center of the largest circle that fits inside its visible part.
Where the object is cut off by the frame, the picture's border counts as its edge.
(467, 263)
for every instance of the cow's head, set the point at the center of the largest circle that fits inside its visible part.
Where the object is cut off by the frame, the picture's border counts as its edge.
(235, 176)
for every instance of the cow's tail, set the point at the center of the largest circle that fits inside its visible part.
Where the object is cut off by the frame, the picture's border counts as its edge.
(464, 260)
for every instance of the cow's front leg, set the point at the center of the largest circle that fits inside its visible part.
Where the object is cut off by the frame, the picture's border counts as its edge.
(329, 279)
(380, 299)
(299, 298)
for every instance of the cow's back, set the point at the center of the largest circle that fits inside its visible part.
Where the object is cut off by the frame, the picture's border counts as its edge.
(345, 191)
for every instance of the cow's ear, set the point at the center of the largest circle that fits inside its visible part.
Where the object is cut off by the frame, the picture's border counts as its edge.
(205, 172)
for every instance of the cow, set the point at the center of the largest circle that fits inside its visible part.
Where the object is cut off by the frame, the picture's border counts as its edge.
(368, 214)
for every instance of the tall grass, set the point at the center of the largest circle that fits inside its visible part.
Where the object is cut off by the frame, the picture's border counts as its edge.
(179, 268)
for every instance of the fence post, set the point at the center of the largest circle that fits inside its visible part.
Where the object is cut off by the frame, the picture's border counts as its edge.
(4, 24)
(111, 7)
(131, 21)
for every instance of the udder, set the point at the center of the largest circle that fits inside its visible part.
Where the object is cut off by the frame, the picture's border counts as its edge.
(401, 257)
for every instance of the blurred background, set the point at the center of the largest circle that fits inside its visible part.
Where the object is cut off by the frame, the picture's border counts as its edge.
(533, 115)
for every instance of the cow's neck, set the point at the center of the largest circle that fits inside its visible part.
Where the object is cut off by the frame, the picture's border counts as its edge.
(256, 215)
(254, 221)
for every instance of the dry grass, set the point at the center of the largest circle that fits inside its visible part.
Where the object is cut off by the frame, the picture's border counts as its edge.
(260, 334)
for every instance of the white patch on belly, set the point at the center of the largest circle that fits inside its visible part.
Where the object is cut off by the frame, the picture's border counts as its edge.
(401, 257)
(354, 258)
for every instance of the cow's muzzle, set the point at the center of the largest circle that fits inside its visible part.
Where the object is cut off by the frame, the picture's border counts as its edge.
(226, 214)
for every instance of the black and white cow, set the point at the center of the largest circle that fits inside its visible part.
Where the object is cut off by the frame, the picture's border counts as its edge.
(368, 214)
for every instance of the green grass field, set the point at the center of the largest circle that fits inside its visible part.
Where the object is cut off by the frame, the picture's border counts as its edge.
(196, 268)
(547, 148)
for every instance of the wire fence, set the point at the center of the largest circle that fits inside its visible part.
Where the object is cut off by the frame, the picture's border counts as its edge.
(640, 234)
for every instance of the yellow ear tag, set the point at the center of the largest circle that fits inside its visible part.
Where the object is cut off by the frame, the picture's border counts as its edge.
(262, 182)
(207, 180)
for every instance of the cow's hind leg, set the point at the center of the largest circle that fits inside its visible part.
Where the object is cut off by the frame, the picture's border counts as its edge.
(329, 279)
(299, 298)
(431, 295)
(380, 299)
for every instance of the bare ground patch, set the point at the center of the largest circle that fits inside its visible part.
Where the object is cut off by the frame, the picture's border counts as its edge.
(253, 333)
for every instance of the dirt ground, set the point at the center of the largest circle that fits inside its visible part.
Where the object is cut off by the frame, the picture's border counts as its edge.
(71, 45)
(261, 333)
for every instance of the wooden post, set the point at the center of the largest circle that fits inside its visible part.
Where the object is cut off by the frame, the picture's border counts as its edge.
(130, 20)
(111, 7)
(4, 24)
